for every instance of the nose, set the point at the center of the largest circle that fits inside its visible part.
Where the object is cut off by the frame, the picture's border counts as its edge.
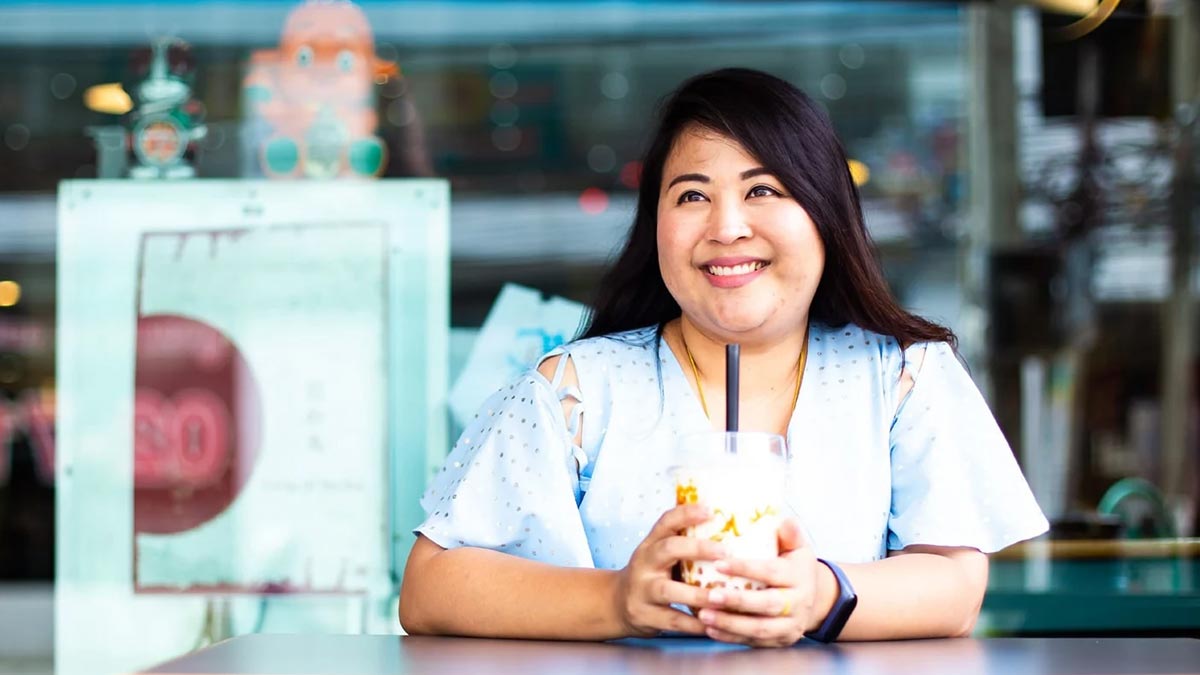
(727, 223)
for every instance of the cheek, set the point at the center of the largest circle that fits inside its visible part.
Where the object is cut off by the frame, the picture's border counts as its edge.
(807, 238)
(818, 248)
(802, 238)
(663, 242)
(670, 242)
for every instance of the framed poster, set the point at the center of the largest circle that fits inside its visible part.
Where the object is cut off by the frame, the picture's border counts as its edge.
(251, 385)
(259, 429)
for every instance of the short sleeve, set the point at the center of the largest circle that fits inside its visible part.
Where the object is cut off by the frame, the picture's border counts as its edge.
(955, 481)
(510, 482)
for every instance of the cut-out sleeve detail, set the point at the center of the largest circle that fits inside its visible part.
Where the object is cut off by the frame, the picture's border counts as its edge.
(910, 372)
(572, 401)
(511, 483)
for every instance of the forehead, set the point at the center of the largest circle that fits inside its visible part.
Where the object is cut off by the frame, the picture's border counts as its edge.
(700, 147)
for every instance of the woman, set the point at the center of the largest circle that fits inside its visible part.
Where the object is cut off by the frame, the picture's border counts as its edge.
(554, 517)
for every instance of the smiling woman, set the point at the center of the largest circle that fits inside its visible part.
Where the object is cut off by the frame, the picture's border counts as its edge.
(748, 230)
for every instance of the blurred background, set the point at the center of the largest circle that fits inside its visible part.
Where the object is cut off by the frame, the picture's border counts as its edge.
(259, 261)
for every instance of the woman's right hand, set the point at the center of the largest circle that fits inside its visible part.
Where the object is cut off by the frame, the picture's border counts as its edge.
(645, 589)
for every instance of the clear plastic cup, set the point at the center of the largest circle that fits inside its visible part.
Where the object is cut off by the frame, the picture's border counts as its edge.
(741, 476)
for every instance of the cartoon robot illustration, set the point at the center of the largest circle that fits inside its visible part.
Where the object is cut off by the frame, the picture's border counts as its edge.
(310, 104)
(167, 122)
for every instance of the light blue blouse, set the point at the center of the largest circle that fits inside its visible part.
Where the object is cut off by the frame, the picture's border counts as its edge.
(868, 473)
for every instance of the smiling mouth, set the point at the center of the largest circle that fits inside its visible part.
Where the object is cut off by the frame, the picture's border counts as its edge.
(734, 270)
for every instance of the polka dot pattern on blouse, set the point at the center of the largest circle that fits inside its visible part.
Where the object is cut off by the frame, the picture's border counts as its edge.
(869, 472)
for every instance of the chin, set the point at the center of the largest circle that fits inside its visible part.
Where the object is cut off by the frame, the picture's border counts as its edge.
(738, 326)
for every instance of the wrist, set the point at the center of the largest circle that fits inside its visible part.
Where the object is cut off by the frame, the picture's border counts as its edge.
(825, 595)
(616, 619)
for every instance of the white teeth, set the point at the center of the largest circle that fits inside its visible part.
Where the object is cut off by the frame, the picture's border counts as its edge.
(744, 268)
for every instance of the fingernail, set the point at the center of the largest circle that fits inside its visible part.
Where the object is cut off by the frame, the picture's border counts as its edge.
(716, 597)
(706, 616)
(721, 565)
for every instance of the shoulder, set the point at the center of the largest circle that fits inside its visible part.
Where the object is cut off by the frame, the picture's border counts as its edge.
(630, 343)
(637, 345)
(588, 370)
(850, 337)
(899, 364)
(850, 340)
(600, 353)
(607, 361)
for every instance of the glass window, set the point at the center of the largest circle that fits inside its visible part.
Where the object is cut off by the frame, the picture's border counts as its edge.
(1063, 260)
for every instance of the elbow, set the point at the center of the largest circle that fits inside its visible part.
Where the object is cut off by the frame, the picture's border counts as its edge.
(974, 586)
(970, 616)
(414, 609)
(410, 621)
(413, 620)
(414, 613)
(967, 627)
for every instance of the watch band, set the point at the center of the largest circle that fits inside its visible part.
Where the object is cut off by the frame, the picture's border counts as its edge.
(843, 607)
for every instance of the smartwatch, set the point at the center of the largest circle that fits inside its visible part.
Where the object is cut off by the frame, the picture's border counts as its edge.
(846, 601)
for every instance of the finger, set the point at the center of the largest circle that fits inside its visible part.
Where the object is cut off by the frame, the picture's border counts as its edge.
(677, 519)
(757, 629)
(666, 552)
(772, 572)
(771, 602)
(724, 636)
(668, 618)
(718, 634)
(666, 592)
(791, 536)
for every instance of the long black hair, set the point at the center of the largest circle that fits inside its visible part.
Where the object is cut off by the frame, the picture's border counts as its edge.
(793, 138)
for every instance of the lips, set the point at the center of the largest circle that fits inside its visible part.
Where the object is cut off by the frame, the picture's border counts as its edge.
(734, 270)
(731, 272)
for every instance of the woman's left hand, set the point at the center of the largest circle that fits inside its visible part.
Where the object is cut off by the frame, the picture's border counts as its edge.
(796, 600)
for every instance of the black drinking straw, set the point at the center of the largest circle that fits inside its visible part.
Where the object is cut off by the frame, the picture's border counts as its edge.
(732, 354)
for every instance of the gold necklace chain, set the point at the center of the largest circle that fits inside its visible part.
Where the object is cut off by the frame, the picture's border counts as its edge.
(700, 385)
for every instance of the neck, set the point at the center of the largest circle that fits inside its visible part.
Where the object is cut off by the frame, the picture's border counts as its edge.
(768, 367)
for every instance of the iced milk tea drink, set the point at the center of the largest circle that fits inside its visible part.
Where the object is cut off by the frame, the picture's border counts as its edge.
(741, 477)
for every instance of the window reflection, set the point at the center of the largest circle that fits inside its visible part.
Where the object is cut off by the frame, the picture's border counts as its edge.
(1076, 316)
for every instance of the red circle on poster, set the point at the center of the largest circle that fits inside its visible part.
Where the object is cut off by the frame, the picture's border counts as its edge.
(196, 424)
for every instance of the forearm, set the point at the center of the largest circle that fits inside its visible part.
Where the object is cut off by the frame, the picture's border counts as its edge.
(916, 595)
(483, 593)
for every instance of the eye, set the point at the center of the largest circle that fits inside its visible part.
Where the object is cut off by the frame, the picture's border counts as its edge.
(304, 56)
(345, 60)
(690, 196)
(763, 191)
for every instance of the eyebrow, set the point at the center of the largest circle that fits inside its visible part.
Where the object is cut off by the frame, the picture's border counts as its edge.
(698, 177)
(701, 178)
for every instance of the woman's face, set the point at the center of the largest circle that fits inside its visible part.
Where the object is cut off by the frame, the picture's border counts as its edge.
(737, 252)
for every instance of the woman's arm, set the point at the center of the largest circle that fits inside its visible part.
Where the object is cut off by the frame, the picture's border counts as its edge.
(481, 592)
(477, 592)
(921, 592)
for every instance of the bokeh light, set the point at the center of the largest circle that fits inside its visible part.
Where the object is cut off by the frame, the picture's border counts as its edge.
(593, 201)
(10, 293)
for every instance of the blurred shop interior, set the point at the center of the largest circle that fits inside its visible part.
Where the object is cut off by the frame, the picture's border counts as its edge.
(1028, 173)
